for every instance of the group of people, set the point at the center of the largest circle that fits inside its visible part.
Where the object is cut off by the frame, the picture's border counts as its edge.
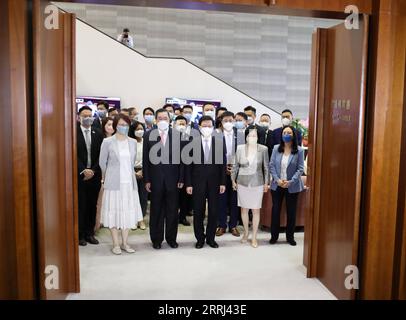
(221, 165)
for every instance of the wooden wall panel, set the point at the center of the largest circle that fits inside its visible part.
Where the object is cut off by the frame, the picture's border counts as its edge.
(383, 161)
(17, 278)
(54, 61)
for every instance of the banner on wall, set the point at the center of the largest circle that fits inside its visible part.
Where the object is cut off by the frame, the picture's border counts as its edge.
(92, 102)
(197, 105)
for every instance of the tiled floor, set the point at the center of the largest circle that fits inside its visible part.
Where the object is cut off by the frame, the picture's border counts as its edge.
(234, 271)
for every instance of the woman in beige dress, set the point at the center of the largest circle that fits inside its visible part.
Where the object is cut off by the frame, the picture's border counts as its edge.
(250, 177)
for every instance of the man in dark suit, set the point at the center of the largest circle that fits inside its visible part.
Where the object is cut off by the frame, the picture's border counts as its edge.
(251, 113)
(89, 141)
(206, 179)
(265, 123)
(228, 200)
(102, 111)
(287, 118)
(164, 176)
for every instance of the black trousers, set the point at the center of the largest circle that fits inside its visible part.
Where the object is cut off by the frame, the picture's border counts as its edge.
(164, 216)
(88, 192)
(200, 194)
(185, 204)
(291, 205)
(143, 195)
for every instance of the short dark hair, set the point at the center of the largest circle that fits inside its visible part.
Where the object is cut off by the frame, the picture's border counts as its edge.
(126, 30)
(220, 109)
(112, 109)
(168, 105)
(84, 108)
(242, 114)
(208, 104)
(187, 106)
(180, 118)
(125, 110)
(146, 109)
(281, 148)
(117, 119)
(161, 111)
(105, 104)
(251, 108)
(265, 115)
(288, 110)
(206, 118)
(227, 114)
(104, 122)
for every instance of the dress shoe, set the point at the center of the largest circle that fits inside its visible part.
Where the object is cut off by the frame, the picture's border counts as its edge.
(273, 241)
(92, 240)
(199, 244)
(173, 244)
(156, 246)
(127, 249)
(292, 242)
(213, 244)
(116, 250)
(184, 222)
(235, 232)
(82, 242)
(142, 225)
(220, 232)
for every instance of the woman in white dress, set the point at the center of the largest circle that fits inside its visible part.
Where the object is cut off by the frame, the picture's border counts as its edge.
(250, 177)
(121, 208)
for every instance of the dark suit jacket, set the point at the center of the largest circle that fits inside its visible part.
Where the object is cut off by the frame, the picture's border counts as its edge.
(269, 141)
(164, 173)
(277, 135)
(97, 139)
(97, 124)
(198, 173)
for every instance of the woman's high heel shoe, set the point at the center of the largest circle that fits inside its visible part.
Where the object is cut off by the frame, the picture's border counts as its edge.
(254, 243)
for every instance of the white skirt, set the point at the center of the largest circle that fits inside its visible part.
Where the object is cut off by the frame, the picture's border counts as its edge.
(250, 197)
(121, 209)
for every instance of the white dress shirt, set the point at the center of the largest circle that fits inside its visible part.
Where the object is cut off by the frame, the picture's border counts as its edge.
(229, 136)
(284, 166)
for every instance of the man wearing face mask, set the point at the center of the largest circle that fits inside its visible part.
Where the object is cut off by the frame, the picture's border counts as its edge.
(185, 200)
(265, 123)
(163, 173)
(102, 112)
(206, 179)
(149, 117)
(89, 142)
(209, 110)
(251, 113)
(287, 118)
(171, 110)
(133, 114)
(187, 112)
(228, 200)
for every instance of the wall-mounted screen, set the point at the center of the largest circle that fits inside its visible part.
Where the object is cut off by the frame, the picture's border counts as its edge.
(93, 101)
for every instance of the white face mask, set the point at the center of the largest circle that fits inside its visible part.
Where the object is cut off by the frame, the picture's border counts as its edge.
(206, 132)
(139, 133)
(228, 126)
(250, 120)
(163, 125)
(211, 114)
(264, 124)
(181, 128)
(286, 122)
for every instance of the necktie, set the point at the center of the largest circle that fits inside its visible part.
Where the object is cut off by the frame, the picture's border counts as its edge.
(88, 147)
(163, 137)
(206, 151)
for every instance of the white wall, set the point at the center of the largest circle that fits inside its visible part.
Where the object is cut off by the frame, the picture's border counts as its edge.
(104, 67)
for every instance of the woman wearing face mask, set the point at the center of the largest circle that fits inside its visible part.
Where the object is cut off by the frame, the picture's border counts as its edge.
(286, 167)
(250, 177)
(137, 131)
(121, 209)
(108, 131)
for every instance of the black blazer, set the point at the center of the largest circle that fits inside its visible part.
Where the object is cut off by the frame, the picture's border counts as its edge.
(97, 124)
(200, 173)
(277, 136)
(169, 173)
(269, 141)
(97, 139)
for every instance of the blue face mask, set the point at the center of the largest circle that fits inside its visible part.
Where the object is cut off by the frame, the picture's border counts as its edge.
(287, 138)
(239, 125)
(188, 116)
(149, 118)
(102, 113)
(123, 130)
